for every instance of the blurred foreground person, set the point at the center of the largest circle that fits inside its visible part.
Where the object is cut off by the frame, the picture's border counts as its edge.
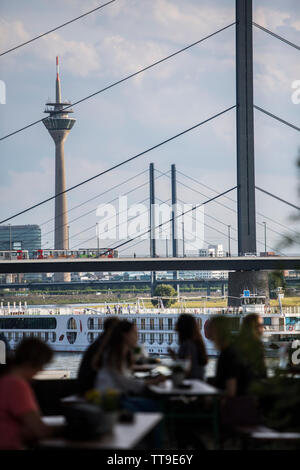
(20, 421)
(87, 373)
(232, 375)
(114, 361)
(250, 346)
(191, 346)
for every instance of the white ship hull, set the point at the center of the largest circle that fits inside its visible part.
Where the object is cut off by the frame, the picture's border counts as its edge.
(74, 329)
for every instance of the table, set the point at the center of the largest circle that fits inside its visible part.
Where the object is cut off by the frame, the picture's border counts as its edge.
(125, 435)
(144, 367)
(198, 388)
(260, 434)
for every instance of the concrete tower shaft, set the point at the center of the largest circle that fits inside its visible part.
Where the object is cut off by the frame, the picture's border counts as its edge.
(59, 124)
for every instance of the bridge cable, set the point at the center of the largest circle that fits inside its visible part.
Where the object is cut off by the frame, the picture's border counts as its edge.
(125, 194)
(180, 215)
(120, 81)
(277, 118)
(114, 227)
(57, 27)
(278, 198)
(208, 215)
(118, 165)
(234, 210)
(277, 36)
(92, 210)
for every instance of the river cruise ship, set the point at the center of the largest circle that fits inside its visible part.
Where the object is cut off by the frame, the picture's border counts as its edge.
(74, 328)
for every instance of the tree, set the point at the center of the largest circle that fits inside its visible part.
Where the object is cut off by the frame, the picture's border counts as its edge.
(290, 239)
(276, 279)
(163, 291)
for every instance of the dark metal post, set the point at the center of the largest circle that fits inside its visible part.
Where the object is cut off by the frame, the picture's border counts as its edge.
(174, 213)
(10, 244)
(208, 289)
(152, 217)
(152, 224)
(229, 249)
(245, 133)
(223, 289)
(183, 246)
(265, 235)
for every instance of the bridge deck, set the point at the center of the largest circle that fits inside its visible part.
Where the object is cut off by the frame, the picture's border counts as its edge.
(151, 264)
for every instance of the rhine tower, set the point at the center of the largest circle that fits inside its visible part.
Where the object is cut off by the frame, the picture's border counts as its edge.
(59, 125)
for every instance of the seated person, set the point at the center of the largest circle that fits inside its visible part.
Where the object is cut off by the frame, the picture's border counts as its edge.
(250, 347)
(20, 421)
(191, 346)
(232, 375)
(87, 373)
(114, 362)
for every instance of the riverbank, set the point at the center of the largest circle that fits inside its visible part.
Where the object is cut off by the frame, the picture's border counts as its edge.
(94, 299)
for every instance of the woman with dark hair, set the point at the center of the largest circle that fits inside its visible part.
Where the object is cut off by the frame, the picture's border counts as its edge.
(20, 420)
(87, 373)
(114, 361)
(191, 346)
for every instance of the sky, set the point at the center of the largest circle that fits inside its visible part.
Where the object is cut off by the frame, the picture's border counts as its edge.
(113, 126)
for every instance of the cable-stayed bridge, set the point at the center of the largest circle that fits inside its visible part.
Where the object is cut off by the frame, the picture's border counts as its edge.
(245, 232)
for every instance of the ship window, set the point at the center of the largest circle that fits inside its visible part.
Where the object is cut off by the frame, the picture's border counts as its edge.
(160, 339)
(292, 320)
(9, 336)
(161, 324)
(71, 336)
(53, 337)
(170, 324)
(151, 338)
(142, 338)
(151, 323)
(71, 324)
(28, 323)
(170, 339)
(90, 337)
(143, 324)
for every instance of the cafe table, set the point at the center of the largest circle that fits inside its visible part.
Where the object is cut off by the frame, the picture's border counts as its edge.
(192, 388)
(124, 435)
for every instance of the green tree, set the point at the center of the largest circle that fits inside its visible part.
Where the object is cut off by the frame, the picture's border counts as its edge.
(163, 291)
(290, 238)
(276, 279)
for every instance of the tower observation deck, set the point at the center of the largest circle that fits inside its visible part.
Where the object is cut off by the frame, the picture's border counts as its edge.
(59, 125)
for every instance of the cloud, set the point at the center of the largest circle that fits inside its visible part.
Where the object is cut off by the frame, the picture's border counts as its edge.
(270, 18)
(11, 34)
(79, 57)
(124, 56)
(182, 20)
